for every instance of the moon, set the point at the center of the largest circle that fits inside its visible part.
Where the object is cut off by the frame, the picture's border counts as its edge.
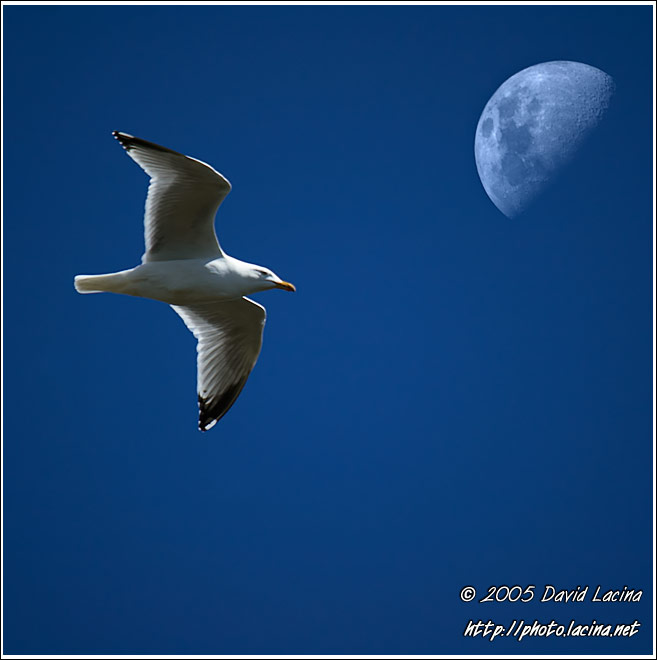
(533, 125)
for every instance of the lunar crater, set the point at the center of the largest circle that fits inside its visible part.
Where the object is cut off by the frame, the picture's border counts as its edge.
(533, 125)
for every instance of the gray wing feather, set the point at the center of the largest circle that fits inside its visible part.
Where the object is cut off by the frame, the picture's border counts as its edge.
(183, 197)
(229, 336)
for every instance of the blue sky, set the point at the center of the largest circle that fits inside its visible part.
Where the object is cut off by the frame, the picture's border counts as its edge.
(451, 397)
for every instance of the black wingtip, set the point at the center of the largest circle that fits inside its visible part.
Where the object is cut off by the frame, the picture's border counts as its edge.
(124, 139)
(210, 412)
(129, 142)
(205, 420)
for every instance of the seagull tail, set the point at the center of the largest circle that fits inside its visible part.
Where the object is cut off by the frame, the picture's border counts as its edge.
(96, 283)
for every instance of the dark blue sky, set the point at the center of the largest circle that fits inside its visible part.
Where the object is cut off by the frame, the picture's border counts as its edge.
(451, 398)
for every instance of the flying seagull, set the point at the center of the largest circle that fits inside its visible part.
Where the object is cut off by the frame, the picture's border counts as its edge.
(185, 267)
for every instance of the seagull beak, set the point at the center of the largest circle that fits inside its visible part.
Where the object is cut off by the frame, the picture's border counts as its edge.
(286, 286)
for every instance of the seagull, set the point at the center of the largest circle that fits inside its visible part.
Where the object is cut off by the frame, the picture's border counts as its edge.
(185, 267)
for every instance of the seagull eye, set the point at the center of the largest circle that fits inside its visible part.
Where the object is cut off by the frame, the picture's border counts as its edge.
(263, 273)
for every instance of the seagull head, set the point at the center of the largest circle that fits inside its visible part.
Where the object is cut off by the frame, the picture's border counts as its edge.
(267, 279)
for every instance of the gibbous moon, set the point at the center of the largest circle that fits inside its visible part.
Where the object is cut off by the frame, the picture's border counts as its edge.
(533, 125)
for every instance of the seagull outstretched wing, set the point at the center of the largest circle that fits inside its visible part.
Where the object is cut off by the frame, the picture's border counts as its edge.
(229, 338)
(183, 197)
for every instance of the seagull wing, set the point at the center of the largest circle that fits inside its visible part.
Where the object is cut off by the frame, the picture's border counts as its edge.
(183, 197)
(229, 338)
